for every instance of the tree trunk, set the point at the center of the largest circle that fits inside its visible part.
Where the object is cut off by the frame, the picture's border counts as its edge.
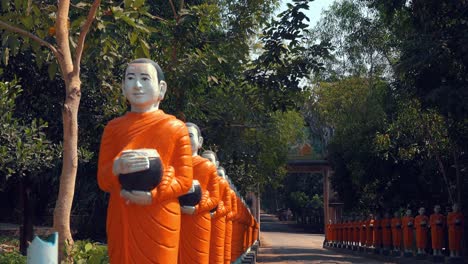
(64, 202)
(26, 229)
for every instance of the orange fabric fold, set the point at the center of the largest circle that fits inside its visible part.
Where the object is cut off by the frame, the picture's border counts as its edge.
(146, 234)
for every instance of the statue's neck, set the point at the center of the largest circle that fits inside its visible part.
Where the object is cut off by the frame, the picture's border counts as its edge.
(145, 109)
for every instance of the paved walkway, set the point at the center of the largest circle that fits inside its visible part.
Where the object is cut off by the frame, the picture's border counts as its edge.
(280, 243)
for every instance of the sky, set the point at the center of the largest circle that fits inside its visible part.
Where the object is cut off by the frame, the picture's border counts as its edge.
(315, 9)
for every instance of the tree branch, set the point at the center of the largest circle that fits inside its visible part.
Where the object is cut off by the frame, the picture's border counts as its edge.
(84, 31)
(174, 11)
(31, 36)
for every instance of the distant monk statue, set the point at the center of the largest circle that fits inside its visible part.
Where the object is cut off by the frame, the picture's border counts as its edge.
(218, 221)
(386, 233)
(196, 218)
(396, 233)
(437, 225)
(408, 233)
(421, 221)
(455, 228)
(145, 163)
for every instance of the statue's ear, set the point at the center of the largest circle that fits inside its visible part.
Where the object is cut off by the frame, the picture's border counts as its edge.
(200, 141)
(162, 89)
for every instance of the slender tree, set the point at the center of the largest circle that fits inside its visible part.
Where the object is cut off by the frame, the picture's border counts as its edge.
(70, 70)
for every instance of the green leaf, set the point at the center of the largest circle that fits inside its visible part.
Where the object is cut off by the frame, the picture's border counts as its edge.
(138, 3)
(88, 247)
(133, 37)
(28, 22)
(128, 3)
(145, 47)
(52, 70)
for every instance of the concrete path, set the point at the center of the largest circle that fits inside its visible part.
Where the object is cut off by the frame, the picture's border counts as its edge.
(281, 243)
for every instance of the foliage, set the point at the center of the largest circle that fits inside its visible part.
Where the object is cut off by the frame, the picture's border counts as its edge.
(286, 60)
(84, 252)
(362, 46)
(12, 258)
(24, 147)
(9, 253)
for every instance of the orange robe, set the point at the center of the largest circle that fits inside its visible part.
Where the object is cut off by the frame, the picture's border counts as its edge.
(357, 229)
(229, 217)
(146, 233)
(370, 233)
(455, 230)
(386, 232)
(236, 243)
(421, 222)
(396, 233)
(218, 223)
(363, 233)
(377, 233)
(196, 229)
(437, 223)
(408, 225)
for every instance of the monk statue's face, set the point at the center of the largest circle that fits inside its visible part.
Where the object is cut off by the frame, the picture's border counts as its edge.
(422, 211)
(196, 141)
(142, 88)
(455, 207)
(437, 209)
(222, 174)
(408, 212)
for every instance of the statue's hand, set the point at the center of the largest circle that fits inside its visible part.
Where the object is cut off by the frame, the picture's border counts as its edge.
(130, 161)
(189, 210)
(137, 197)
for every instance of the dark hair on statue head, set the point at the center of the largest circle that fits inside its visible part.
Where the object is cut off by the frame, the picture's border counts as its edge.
(189, 124)
(210, 152)
(159, 71)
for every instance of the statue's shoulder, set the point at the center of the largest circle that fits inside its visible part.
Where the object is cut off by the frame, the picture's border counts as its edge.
(172, 123)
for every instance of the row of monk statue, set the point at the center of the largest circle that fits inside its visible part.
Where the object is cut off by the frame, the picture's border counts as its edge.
(167, 203)
(400, 234)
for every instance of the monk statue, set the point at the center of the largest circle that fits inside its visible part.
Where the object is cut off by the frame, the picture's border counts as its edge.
(218, 221)
(145, 164)
(396, 233)
(229, 226)
(363, 233)
(196, 219)
(370, 232)
(455, 223)
(421, 223)
(408, 225)
(437, 224)
(386, 224)
(377, 236)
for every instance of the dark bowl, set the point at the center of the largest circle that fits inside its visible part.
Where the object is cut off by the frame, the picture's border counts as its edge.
(145, 180)
(214, 209)
(191, 199)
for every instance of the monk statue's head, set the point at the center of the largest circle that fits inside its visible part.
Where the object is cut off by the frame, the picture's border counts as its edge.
(144, 85)
(408, 212)
(196, 139)
(455, 207)
(222, 172)
(211, 155)
(422, 211)
(437, 209)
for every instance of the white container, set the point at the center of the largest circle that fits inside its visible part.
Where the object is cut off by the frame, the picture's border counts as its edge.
(43, 251)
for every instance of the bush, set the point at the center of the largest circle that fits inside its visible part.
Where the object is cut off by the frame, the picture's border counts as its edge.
(86, 252)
